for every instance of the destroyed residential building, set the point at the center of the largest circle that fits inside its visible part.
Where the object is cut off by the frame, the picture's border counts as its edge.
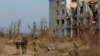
(65, 15)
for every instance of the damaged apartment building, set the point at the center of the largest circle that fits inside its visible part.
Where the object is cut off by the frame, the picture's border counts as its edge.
(65, 15)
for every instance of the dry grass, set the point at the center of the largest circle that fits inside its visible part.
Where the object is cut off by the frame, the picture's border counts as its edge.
(62, 45)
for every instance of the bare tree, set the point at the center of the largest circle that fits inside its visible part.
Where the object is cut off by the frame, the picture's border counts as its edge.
(43, 24)
(33, 28)
(14, 29)
(18, 25)
(1, 32)
(9, 29)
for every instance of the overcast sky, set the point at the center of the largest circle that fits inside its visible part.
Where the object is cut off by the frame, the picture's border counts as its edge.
(27, 10)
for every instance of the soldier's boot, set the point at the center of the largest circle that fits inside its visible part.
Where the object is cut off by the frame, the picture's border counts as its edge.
(36, 52)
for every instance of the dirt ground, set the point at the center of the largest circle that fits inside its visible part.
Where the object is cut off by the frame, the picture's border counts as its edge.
(58, 48)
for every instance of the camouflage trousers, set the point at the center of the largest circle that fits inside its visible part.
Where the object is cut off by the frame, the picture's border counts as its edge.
(36, 51)
(24, 47)
(18, 51)
(23, 51)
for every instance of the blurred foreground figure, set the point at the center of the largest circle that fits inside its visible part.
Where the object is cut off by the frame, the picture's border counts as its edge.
(18, 43)
(24, 42)
(36, 44)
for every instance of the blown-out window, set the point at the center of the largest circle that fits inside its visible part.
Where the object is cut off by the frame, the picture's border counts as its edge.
(57, 22)
(81, 9)
(62, 2)
(62, 12)
(57, 11)
(57, 3)
(63, 22)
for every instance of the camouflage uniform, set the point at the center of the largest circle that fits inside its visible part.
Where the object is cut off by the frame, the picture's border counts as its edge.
(24, 42)
(18, 43)
(36, 44)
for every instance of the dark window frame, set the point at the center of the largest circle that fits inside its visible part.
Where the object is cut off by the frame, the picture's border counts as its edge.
(57, 12)
(81, 9)
(63, 11)
(57, 21)
(58, 3)
(63, 21)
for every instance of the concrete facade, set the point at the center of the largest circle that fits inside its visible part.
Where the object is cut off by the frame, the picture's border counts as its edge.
(65, 15)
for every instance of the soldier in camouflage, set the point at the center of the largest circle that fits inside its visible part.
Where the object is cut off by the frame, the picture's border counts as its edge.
(36, 44)
(18, 43)
(24, 42)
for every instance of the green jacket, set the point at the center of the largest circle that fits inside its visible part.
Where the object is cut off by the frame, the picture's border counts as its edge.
(24, 41)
